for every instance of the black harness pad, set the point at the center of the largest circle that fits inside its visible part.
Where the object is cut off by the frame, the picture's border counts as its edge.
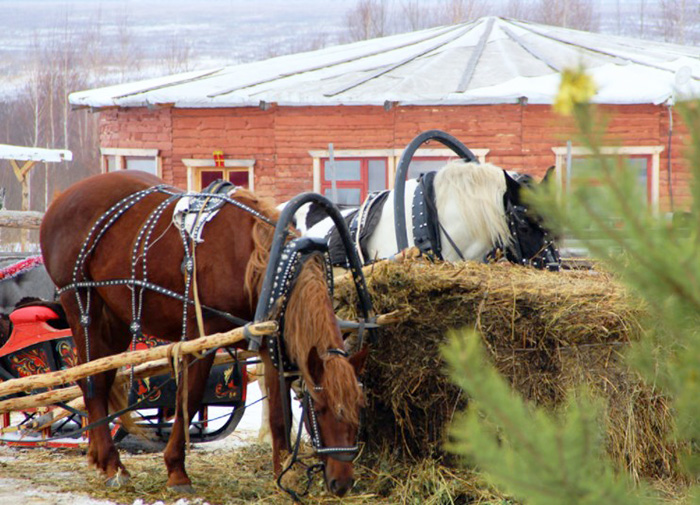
(426, 228)
(365, 223)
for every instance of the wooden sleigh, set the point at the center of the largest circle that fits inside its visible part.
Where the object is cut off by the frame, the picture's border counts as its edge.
(40, 403)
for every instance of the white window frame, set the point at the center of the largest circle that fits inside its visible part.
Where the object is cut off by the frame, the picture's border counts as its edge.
(653, 151)
(120, 153)
(195, 165)
(393, 156)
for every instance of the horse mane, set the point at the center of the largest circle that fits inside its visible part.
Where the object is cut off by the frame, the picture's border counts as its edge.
(263, 234)
(310, 322)
(479, 188)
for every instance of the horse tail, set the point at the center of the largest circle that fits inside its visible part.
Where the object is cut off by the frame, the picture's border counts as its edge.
(118, 400)
(255, 269)
(262, 235)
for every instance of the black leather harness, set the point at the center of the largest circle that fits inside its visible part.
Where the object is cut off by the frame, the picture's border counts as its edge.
(426, 227)
(293, 257)
(361, 224)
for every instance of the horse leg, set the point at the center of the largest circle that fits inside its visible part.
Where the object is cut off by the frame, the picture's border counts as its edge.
(276, 416)
(264, 431)
(174, 453)
(104, 332)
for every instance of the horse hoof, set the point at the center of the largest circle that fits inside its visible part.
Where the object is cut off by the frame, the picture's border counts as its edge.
(119, 480)
(182, 489)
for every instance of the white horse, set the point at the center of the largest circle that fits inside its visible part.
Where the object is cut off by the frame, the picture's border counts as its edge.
(477, 209)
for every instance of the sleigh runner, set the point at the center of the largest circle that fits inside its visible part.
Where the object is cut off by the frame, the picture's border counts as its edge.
(39, 366)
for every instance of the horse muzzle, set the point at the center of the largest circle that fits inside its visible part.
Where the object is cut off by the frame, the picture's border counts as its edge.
(340, 487)
(339, 477)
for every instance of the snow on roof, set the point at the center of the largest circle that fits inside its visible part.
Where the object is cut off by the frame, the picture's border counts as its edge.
(8, 152)
(487, 61)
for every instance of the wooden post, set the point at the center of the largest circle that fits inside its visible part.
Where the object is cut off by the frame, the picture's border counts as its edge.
(132, 358)
(22, 174)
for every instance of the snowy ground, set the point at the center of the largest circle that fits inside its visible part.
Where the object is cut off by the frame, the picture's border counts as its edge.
(18, 491)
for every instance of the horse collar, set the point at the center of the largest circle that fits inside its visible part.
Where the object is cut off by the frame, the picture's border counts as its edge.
(292, 258)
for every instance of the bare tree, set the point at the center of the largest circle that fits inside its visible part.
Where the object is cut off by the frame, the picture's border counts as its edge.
(678, 20)
(416, 16)
(127, 57)
(517, 9)
(578, 14)
(459, 11)
(178, 55)
(367, 20)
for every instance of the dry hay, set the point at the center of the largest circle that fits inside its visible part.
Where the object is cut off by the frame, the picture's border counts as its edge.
(546, 332)
(240, 476)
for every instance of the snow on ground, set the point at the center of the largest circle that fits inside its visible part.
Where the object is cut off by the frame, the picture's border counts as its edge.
(16, 491)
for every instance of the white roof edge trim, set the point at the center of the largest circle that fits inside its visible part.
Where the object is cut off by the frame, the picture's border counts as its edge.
(9, 152)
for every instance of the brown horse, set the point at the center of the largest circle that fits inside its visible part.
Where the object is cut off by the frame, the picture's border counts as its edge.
(230, 266)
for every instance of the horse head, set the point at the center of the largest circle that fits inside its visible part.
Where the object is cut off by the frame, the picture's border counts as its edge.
(333, 395)
(532, 243)
(333, 412)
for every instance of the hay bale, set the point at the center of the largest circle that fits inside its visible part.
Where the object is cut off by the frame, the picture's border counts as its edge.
(546, 332)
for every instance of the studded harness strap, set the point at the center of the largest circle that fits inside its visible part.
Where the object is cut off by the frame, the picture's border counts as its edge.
(293, 257)
(138, 282)
(426, 222)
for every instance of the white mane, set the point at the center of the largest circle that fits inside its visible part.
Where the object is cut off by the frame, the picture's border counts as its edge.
(472, 193)
(469, 199)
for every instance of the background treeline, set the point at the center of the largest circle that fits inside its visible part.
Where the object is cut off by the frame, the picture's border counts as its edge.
(86, 49)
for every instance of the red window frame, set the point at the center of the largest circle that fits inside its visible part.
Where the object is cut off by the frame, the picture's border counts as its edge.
(225, 172)
(649, 169)
(362, 183)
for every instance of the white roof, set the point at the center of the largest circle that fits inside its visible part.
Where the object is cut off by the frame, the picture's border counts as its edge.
(487, 61)
(8, 152)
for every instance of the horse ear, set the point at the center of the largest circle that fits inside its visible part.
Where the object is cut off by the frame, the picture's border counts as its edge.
(359, 360)
(549, 174)
(512, 188)
(315, 366)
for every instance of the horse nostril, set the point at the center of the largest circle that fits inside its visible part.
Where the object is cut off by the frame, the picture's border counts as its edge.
(340, 488)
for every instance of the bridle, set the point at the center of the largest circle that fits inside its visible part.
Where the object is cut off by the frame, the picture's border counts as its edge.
(291, 260)
(548, 255)
(309, 418)
(346, 454)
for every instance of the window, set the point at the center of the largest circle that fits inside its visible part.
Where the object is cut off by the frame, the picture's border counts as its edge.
(359, 172)
(146, 160)
(644, 160)
(202, 172)
(355, 178)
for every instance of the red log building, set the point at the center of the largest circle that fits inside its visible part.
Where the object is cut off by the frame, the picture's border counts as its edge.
(490, 83)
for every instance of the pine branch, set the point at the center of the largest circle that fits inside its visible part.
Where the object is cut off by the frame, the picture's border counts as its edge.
(524, 450)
